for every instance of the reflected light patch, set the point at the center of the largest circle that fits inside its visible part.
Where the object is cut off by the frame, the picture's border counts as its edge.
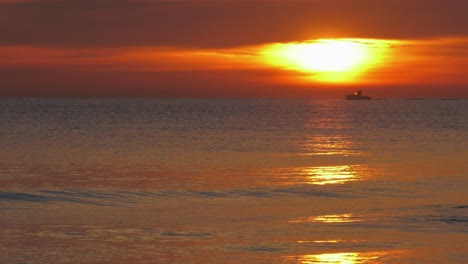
(338, 258)
(336, 218)
(331, 241)
(330, 175)
(328, 145)
(322, 175)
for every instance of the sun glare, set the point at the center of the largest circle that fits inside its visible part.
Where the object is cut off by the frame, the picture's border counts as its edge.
(327, 55)
(327, 60)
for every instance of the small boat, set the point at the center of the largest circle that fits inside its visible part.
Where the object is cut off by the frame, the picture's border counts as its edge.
(357, 95)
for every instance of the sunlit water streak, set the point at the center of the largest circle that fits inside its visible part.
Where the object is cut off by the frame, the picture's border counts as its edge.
(340, 258)
(233, 181)
(336, 218)
(323, 175)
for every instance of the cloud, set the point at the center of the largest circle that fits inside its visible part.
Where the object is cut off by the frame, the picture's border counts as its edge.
(130, 59)
(218, 24)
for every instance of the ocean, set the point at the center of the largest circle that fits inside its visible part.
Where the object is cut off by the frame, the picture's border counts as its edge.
(233, 181)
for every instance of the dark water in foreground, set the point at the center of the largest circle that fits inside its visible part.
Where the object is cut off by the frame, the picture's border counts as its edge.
(233, 181)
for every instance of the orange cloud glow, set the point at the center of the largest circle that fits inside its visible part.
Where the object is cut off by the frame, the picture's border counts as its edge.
(376, 62)
(126, 59)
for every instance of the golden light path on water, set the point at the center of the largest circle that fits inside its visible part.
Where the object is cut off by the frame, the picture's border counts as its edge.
(330, 175)
(331, 241)
(329, 60)
(334, 218)
(337, 258)
(322, 175)
(328, 145)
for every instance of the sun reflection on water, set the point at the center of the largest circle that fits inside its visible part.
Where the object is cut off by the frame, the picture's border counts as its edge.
(330, 175)
(334, 218)
(329, 145)
(337, 258)
(323, 175)
(330, 241)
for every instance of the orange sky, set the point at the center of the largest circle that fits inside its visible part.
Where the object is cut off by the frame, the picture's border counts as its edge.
(230, 48)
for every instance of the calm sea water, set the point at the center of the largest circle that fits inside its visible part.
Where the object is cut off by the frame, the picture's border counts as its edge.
(233, 181)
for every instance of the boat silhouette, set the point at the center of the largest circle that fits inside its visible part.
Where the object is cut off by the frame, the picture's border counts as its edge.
(357, 95)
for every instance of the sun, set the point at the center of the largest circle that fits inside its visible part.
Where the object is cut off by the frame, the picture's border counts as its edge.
(327, 60)
(327, 55)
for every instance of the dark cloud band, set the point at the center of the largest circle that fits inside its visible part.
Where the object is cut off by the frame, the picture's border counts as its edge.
(223, 23)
